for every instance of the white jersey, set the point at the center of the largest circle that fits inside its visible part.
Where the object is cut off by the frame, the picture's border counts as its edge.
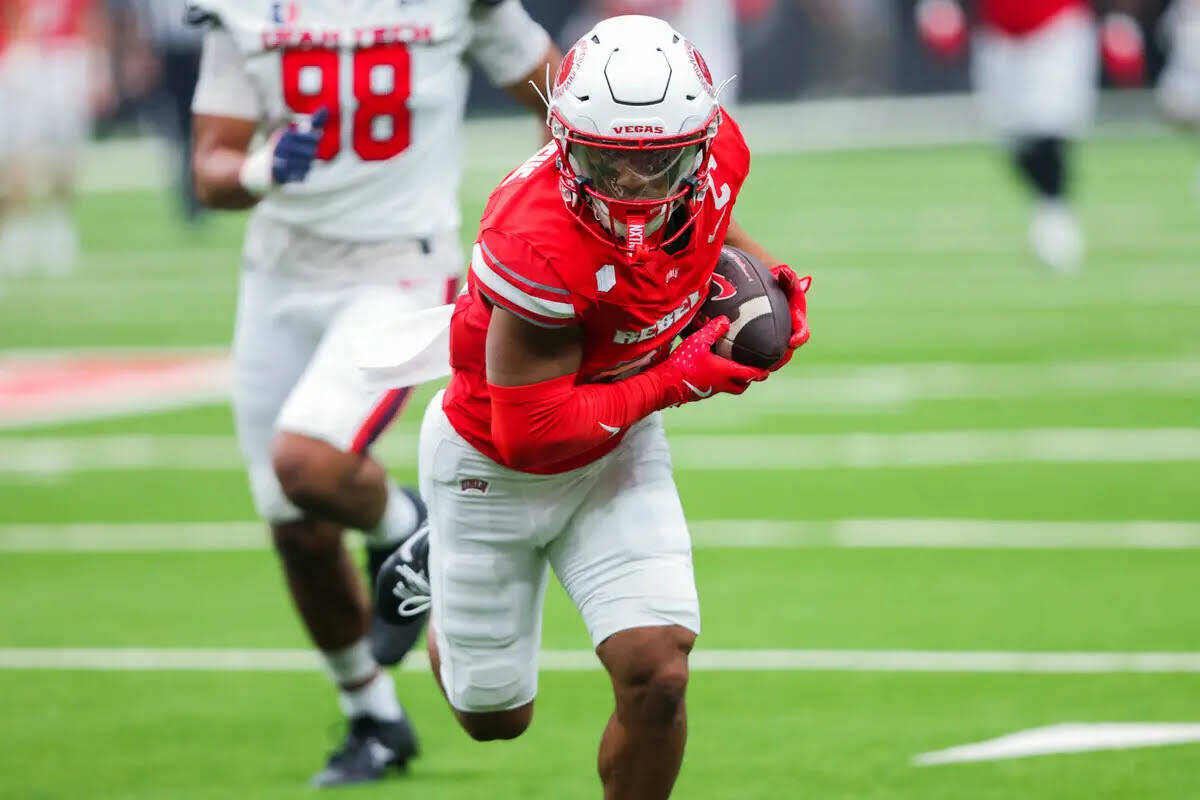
(1179, 84)
(393, 76)
(1181, 27)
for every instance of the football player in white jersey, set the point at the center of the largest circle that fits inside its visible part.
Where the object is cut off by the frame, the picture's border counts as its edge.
(1179, 84)
(340, 122)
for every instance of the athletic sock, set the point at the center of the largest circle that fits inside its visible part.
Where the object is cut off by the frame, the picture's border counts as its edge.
(373, 694)
(1043, 163)
(351, 666)
(399, 519)
(377, 700)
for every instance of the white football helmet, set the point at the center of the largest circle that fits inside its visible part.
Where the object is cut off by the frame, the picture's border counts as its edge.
(634, 111)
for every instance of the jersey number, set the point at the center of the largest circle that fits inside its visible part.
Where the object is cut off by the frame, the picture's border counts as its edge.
(382, 125)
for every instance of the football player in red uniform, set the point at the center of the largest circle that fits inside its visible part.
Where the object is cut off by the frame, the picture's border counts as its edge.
(1033, 64)
(547, 449)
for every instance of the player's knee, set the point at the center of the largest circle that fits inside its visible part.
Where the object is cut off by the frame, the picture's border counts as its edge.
(662, 694)
(493, 726)
(651, 676)
(303, 469)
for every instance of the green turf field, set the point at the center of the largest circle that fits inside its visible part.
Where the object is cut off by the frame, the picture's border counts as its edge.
(952, 390)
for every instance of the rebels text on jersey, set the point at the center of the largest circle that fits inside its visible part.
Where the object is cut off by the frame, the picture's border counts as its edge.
(1022, 17)
(533, 258)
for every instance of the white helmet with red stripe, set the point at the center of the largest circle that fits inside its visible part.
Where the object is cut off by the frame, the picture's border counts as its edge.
(634, 112)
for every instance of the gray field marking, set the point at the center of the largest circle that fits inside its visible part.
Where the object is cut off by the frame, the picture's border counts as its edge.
(942, 534)
(984, 662)
(820, 389)
(64, 455)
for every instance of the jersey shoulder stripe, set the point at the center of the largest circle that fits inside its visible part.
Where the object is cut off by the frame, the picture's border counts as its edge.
(539, 303)
(545, 291)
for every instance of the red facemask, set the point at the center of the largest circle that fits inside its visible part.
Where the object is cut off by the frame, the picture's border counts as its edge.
(631, 188)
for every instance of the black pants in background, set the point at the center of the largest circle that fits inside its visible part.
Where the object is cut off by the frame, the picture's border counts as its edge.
(180, 71)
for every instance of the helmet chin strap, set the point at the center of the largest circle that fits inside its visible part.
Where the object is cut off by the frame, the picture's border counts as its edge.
(635, 225)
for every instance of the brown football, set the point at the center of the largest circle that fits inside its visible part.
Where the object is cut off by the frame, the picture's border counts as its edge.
(760, 321)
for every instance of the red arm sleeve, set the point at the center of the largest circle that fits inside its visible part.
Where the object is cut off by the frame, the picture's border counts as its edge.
(553, 421)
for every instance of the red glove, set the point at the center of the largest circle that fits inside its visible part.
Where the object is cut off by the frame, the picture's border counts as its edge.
(1123, 48)
(542, 426)
(943, 27)
(693, 371)
(796, 290)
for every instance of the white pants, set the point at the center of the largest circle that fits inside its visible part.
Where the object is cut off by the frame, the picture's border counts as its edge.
(1043, 84)
(45, 111)
(613, 531)
(1179, 84)
(302, 302)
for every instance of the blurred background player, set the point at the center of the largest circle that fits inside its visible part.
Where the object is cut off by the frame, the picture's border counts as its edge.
(53, 76)
(175, 45)
(1034, 65)
(342, 126)
(1179, 83)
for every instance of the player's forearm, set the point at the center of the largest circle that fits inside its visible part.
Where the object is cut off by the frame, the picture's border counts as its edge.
(225, 172)
(217, 174)
(737, 237)
(529, 90)
(554, 421)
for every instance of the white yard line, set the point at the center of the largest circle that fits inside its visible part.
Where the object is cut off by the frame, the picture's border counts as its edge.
(140, 659)
(50, 455)
(946, 534)
(865, 389)
(158, 537)
(1068, 737)
(934, 449)
(136, 537)
(844, 291)
(893, 387)
(818, 389)
(61, 455)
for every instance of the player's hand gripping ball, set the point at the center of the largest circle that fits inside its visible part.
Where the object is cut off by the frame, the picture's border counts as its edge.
(695, 371)
(766, 311)
(796, 289)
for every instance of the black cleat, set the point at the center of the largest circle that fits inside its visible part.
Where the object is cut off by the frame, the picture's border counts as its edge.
(372, 747)
(402, 586)
(391, 637)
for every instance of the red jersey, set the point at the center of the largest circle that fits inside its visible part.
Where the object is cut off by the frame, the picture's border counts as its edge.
(49, 21)
(534, 258)
(1022, 17)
